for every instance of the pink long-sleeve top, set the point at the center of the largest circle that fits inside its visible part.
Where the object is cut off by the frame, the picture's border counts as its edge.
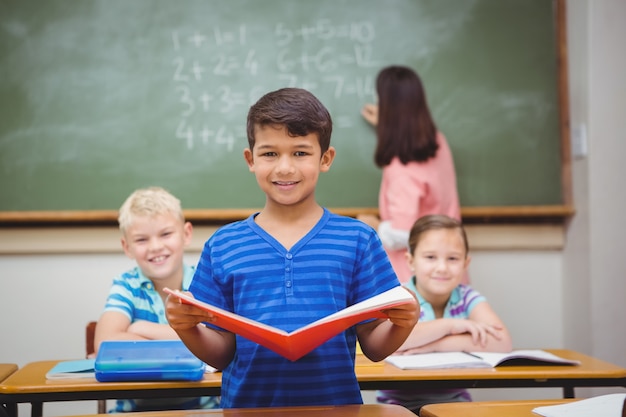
(416, 189)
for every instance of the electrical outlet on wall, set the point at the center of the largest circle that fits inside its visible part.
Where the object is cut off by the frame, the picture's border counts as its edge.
(579, 141)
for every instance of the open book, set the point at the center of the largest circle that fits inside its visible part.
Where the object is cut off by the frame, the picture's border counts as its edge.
(443, 360)
(298, 343)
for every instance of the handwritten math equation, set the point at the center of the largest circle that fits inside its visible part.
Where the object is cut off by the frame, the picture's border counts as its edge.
(218, 73)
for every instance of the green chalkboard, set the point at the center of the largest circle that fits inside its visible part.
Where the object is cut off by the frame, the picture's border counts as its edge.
(100, 97)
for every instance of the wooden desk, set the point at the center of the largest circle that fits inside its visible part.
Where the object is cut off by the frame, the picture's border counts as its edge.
(29, 384)
(366, 410)
(590, 373)
(6, 369)
(488, 408)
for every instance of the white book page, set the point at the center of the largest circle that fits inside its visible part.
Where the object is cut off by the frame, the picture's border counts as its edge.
(217, 310)
(610, 405)
(495, 358)
(471, 359)
(394, 295)
(438, 360)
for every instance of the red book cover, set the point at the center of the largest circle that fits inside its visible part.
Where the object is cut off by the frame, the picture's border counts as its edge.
(298, 343)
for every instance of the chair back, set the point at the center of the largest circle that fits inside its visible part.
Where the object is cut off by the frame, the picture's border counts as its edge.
(90, 350)
(90, 335)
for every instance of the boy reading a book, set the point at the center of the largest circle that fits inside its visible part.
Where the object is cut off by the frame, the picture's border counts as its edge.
(288, 265)
(154, 235)
(453, 316)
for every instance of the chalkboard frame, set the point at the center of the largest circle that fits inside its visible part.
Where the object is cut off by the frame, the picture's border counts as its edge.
(489, 214)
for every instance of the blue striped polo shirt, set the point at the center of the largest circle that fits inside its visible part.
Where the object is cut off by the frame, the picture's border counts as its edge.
(243, 269)
(133, 294)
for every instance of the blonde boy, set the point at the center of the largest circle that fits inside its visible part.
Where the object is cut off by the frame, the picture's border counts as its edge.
(155, 235)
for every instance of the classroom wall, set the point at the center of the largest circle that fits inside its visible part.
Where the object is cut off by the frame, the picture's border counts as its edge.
(599, 101)
(594, 267)
(554, 287)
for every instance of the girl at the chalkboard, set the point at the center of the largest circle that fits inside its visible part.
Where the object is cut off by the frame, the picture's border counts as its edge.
(418, 175)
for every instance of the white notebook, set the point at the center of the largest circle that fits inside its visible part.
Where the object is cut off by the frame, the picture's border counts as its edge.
(443, 360)
(611, 405)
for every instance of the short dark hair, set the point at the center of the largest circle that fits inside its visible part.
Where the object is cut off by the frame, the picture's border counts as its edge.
(435, 222)
(405, 126)
(296, 109)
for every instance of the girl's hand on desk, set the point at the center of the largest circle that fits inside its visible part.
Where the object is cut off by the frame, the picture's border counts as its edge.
(478, 330)
(453, 335)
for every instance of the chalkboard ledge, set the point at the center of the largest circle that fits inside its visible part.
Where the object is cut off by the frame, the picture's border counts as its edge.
(97, 240)
(517, 214)
(470, 215)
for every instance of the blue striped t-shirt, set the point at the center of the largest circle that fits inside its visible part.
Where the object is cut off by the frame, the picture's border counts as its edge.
(133, 294)
(243, 269)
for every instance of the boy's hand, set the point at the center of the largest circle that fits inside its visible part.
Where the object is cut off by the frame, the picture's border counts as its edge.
(183, 316)
(380, 338)
(405, 315)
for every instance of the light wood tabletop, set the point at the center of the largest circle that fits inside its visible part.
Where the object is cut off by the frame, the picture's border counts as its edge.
(31, 379)
(366, 410)
(523, 408)
(7, 369)
(591, 372)
(29, 384)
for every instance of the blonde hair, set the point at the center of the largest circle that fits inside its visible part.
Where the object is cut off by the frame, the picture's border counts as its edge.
(149, 201)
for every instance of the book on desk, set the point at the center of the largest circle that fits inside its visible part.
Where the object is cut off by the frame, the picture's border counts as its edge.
(445, 360)
(81, 368)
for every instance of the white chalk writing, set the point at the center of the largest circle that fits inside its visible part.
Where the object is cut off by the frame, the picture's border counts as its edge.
(218, 72)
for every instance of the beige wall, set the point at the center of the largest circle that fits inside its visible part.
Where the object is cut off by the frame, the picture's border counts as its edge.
(554, 288)
(594, 262)
(65, 285)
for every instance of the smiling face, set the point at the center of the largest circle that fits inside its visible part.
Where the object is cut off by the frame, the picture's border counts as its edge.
(287, 167)
(157, 244)
(439, 262)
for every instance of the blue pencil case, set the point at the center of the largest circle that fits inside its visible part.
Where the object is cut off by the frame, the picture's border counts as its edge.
(147, 360)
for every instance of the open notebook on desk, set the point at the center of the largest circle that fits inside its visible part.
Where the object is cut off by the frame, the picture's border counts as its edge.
(443, 360)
